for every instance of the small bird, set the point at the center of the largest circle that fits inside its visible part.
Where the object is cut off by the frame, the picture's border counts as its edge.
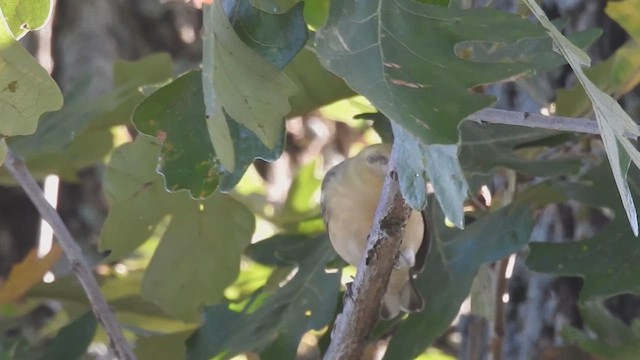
(350, 193)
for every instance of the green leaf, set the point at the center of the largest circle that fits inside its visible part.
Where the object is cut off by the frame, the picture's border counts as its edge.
(608, 336)
(246, 148)
(485, 147)
(399, 54)
(27, 90)
(316, 12)
(202, 237)
(274, 6)
(616, 76)
(317, 86)
(277, 37)
(72, 340)
(439, 164)
(301, 204)
(307, 301)
(239, 82)
(81, 133)
(534, 51)
(123, 296)
(450, 269)
(613, 121)
(165, 346)
(626, 14)
(3, 151)
(23, 16)
(619, 74)
(608, 262)
(176, 114)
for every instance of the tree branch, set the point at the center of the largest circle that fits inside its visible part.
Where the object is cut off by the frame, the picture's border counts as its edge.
(16, 166)
(560, 123)
(362, 306)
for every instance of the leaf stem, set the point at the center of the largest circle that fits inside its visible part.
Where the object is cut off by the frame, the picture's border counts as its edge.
(16, 166)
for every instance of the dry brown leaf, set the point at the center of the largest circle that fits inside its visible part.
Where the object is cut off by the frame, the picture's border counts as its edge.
(27, 273)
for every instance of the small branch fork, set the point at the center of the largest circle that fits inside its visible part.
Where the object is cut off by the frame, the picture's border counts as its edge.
(16, 166)
(361, 310)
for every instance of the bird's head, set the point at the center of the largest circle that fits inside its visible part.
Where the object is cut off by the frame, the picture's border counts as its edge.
(376, 158)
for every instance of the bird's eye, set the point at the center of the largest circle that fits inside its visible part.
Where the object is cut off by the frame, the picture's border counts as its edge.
(377, 159)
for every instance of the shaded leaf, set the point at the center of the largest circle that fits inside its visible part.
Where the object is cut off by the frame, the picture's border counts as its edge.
(164, 346)
(277, 37)
(608, 337)
(437, 163)
(317, 87)
(399, 54)
(23, 16)
(123, 296)
(175, 114)
(246, 148)
(450, 269)
(72, 340)
(307, 301)
(202, 238)
(485, 147)
(274, 6)
(609, 261)
(534, 51)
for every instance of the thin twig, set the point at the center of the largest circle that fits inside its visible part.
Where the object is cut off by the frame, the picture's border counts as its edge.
(498, 323)
(16, 166)
(361, 310)
(560, 123)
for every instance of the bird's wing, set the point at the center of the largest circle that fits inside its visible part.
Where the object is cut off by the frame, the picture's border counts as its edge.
(327, 182)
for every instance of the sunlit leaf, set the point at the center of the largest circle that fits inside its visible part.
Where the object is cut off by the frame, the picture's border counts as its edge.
(23, 16)
(307, 301)
(28, 90)
(189, 258)
(239, 82)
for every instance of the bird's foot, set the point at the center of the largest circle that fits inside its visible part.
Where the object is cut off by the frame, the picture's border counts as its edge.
(406, 258)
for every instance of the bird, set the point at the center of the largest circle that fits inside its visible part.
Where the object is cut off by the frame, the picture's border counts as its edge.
(349, 197)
